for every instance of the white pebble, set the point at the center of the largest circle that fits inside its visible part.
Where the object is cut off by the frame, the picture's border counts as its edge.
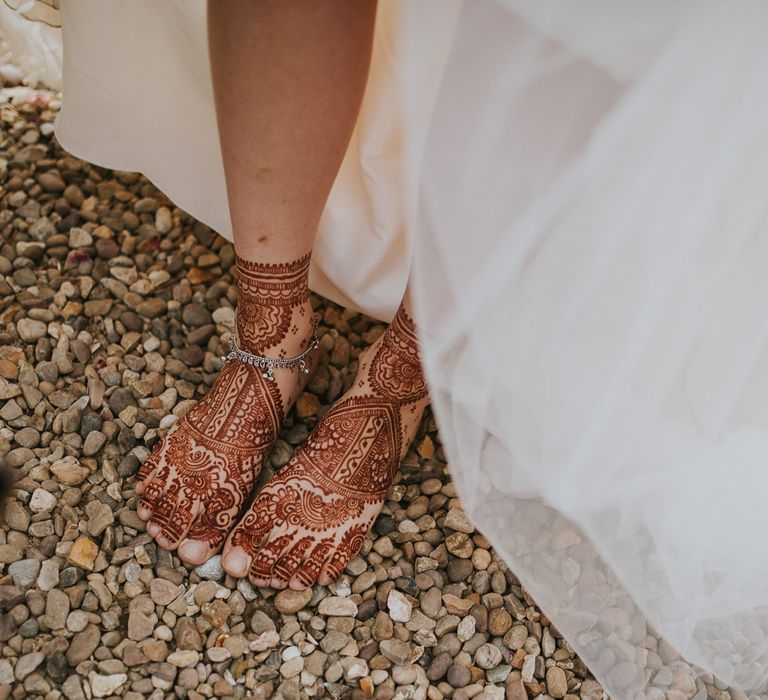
(290, 652)
(400, 608)
(42, 501)
(217, 654)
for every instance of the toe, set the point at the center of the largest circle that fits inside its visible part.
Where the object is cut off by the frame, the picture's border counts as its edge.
(264, 561)
(349, 546)
(148, 468)
(207, 535)
(194, 552)
(172, 532)
(144, 510)
(241, 545)
(286, 566)
(169, 522)
(328, 574)
(236, 562)
(306, 574)
(154, 492)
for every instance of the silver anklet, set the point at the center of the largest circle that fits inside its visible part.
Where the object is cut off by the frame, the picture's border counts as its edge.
(270, 363)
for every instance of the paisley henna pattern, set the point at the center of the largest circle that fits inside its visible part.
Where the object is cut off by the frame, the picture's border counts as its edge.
(312, 517)
(196, 480)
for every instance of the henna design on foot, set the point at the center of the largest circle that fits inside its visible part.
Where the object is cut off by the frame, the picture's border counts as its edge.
(196, 480)
(311, 518)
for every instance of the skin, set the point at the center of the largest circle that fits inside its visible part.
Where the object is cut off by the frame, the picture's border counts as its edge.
(289, 77)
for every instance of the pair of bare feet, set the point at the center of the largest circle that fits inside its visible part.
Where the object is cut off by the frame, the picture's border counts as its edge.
(310, 518)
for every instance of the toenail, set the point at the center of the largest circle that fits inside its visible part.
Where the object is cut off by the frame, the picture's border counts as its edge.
(236, 562)
(193, 551)
(153, 529)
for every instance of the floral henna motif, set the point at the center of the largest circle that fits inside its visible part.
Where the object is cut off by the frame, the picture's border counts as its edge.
(312, 517)
(269, 293)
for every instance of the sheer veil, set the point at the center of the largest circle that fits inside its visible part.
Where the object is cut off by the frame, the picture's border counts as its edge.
(578, 192)
(589, 225)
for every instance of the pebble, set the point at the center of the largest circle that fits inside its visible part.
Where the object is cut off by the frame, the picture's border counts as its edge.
(30, 331)
(557, 684)
(42, 501)
(456, 519)
(334, 605)
(396, 651)
(83, 644)
(499, 622)
(100, 517)
(104, 686)
(49, 575)
(16, 517)
(163, 592)
(439, 666)
(56, 609)
(24, 572)
(400, 608)
(488, 656)
(211, 569)
(69, 471)
(83, 553)
(94, 441)
(289, 602)
(459, 545)
(458, 676)
(218, 654)
(466, 628)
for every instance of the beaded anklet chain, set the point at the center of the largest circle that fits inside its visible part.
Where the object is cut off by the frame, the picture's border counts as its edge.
(270, 363)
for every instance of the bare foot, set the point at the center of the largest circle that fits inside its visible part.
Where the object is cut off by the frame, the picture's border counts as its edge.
(195, 481)
(311, 518)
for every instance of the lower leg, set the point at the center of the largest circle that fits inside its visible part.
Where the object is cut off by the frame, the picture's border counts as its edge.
(288, 79)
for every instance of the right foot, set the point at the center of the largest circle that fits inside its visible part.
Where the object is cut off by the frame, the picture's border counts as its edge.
(195, 481)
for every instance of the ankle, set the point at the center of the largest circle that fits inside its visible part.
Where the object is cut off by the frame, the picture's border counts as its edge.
(274, 314)
(395, 370)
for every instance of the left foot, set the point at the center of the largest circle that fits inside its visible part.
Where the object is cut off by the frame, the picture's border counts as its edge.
(196, 480)
(311, 518)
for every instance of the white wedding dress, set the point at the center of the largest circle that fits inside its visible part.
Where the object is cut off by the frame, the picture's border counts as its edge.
(579, 191)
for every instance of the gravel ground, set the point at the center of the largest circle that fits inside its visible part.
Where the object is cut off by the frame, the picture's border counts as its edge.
(114, 311)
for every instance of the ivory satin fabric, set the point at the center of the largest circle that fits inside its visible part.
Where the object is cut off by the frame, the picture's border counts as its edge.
(578, 191)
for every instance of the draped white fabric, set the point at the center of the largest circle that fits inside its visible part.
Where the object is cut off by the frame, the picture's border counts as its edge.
(580, 192)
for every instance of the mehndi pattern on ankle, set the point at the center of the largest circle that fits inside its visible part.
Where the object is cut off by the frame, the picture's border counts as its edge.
(268, 295)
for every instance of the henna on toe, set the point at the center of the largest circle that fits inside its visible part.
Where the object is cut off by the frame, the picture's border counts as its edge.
(194, 483)
(312, 517)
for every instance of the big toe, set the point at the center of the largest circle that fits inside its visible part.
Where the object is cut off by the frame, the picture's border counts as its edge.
(206, 536)
(236, 562)
(194, 552)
